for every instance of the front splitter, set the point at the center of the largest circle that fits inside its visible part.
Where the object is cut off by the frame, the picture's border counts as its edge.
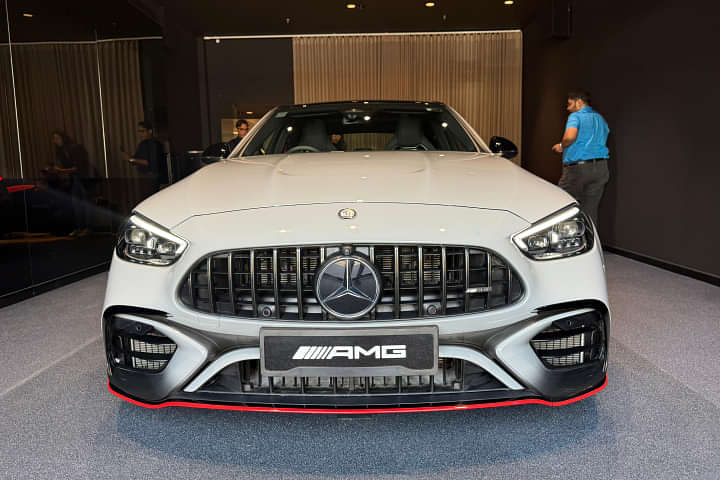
(362, 411)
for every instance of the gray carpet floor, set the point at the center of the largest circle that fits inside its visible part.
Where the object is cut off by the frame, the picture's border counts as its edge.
(659, 418)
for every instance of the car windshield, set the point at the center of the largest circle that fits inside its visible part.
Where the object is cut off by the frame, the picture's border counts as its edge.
(359, 127)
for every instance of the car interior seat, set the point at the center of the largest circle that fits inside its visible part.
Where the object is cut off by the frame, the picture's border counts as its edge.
(409, 136)
(314, 134)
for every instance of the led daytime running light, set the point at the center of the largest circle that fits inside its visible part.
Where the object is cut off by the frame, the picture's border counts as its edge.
(160, 232)
(564, 215)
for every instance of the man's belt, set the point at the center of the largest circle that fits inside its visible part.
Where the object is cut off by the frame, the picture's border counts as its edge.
(592, 160)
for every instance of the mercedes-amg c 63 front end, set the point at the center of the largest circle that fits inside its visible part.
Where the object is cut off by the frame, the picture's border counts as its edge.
(358, 257)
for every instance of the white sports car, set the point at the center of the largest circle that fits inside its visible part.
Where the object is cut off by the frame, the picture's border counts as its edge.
(358, 257)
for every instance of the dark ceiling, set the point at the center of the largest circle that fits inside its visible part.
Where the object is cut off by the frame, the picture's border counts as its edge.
(79, 19)
(227, 17)
(73, 20)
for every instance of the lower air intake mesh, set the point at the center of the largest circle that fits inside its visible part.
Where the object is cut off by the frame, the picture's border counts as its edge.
(572, 341)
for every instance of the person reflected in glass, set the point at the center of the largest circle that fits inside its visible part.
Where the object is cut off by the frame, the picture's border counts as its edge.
(72, 166)
(149, 157)
(242, 128)
(338, 142)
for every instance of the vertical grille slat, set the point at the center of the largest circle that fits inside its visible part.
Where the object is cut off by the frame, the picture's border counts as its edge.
(253, 289)
(231, 283)
(299, 282)
(417, 281)
(371, 250)
(276, 289)
(467, 280)
(322, 260)
(396, 281)
(211, 299)
(421, 281)
(443, 298)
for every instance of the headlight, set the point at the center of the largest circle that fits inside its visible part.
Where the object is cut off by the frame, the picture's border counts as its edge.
(142, 241)
(562, 234)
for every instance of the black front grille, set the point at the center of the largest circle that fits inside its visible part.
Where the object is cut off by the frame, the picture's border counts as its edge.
(138, 346)
(417, 281)
(572, 341)
(454, 375)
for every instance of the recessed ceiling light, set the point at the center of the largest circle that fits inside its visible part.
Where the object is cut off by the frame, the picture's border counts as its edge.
(429, 4)
(351, 5)
(508, 2)
(28, 15)
(217, 40)
(248, 113)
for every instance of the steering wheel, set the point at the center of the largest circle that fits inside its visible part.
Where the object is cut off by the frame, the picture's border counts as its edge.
(303, 148)
(419, 146)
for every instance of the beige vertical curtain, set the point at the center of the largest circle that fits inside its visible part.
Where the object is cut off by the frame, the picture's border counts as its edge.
(9, 154)
(478, 74)
(122, 102)
(57, 89)
(122, 110)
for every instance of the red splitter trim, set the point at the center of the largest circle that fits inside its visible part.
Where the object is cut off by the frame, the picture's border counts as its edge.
(362, 411)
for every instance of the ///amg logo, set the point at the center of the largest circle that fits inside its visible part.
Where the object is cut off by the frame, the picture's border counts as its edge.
(351, 352)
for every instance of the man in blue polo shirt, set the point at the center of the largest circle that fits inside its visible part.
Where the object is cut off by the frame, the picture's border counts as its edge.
(585, 153)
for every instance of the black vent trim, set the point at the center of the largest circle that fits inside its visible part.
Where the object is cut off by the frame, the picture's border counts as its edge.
(454, 376)
(138, 346)
(572, 341)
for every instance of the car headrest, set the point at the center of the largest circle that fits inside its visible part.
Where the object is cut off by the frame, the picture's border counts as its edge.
(314, 134)
(409, 132)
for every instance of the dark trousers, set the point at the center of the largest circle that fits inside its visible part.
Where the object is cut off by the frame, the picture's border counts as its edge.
(586, 182)
(80, 203)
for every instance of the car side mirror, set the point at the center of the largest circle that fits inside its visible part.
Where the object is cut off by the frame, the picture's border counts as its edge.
(504, 147)
(215, 152)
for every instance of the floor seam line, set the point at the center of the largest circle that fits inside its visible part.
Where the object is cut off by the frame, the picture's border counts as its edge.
(37, 373)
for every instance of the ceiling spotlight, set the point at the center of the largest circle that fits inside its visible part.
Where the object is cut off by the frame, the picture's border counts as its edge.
(351, 5)
(217, 40)
(508, 2)
(248, 113)
(28, 15)
(429, 4)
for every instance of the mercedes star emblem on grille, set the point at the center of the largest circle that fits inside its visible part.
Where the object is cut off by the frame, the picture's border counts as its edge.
(347, 213)
(348, 286)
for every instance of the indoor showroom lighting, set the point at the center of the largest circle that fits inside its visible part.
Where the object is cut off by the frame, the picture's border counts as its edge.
(429, 4)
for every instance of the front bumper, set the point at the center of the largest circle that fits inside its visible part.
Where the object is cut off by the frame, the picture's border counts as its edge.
(496, 344)
(496, 367)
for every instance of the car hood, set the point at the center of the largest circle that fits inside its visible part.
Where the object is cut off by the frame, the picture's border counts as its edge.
(475, 180)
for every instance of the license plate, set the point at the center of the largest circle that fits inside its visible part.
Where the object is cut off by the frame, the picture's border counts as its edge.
(350, 353)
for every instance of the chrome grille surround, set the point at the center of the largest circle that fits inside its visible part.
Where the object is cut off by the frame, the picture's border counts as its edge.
(263, 282)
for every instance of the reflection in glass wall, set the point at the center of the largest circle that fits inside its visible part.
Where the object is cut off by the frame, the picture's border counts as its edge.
(79, 154)
(14, 252)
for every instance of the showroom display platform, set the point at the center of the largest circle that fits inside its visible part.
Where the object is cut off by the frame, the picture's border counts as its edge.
(659, 416)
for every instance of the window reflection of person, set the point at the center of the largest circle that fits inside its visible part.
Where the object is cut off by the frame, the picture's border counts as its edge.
(71, 161)
(149, 157)
(242, 129)
(338, 141)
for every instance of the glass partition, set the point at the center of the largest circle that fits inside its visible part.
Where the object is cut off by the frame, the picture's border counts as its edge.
(81, 152)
